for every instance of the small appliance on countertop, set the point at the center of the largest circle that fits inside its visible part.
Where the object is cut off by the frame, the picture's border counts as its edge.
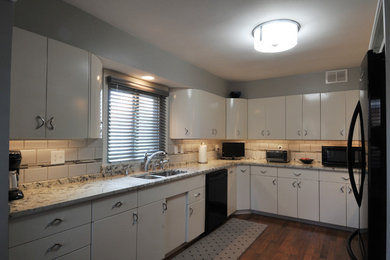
(281, 156)
(15, 157)
(233, 151)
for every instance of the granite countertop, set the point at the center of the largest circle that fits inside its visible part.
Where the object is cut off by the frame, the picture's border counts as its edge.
(46, 197)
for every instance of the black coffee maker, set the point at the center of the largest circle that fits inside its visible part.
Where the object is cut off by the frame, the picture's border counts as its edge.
(15, 157)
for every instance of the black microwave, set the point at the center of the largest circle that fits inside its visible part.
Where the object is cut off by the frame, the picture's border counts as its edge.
(336, 156)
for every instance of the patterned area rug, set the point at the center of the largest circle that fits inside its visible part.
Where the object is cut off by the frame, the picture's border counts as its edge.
(228, 241)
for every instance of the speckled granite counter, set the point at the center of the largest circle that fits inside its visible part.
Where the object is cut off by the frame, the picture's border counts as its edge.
(48, 197)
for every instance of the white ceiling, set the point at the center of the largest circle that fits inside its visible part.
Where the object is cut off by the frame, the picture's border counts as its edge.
(216, 34)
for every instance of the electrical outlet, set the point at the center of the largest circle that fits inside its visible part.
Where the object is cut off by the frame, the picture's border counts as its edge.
(57, 157)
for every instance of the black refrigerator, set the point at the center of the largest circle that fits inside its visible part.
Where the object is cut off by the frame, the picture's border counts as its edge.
(370, 243)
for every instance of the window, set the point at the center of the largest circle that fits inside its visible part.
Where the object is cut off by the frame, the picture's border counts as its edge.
(136, 123)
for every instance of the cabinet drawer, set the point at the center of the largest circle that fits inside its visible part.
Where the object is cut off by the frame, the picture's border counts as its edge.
(342, 177)
(80, 254)
(298, 173)
(113, 205)
(195, 195)
(266, 171)
(53, 246)
(29, 228)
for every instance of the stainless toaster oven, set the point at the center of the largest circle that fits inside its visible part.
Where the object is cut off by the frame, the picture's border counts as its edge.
(282, 156)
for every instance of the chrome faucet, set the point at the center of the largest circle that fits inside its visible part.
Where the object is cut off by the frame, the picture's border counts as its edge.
(147, 159)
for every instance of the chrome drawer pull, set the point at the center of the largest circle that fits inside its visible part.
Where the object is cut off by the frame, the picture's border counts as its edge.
(349, 190)
(165, 206)
(263, 171)
(191, 211)
(297, 174)
(186, 131)
(135, 218)
(305, 132)
(345, 179)
(274, 182)
(342, 189)
(41, 123)
(243, 170)
(294, 183)
(49, 123)
(54, 247)
(299, 184)
(55, 222)
(299, 132)
(197, 195)
(117, 205)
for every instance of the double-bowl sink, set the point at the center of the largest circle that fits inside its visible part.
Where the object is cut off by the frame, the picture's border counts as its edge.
(162, 174)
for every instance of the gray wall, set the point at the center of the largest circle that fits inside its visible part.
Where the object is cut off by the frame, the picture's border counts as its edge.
(293, 85)
(63, 22)
(6, 14)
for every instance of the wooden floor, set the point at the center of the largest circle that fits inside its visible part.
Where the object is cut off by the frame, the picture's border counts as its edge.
(284, 239)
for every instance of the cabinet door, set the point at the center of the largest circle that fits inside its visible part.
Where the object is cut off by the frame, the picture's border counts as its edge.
(308, 200)
(352, 97)
(243, 185)
(294, 117)
(311, 116)
(264, 193)
(80, 254)
(333, 116)
(95, 100)
(175, 233)
(151, 231)
(276, 118)
(212, 114)
(287, 197)
(236, 118)
(332, 203)
(352, 209)
(232, 191)
(115, 237)
(256, 119)
(196, 219)
(67, 91)
(183, 109)
(28, 85)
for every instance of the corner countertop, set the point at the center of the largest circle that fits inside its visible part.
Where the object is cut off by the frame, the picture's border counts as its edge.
(54, 196)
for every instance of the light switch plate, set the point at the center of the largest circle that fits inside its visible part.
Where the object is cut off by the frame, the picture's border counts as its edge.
(57, 157)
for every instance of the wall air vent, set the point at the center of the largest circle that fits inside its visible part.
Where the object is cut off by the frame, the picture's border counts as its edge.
(336, 76)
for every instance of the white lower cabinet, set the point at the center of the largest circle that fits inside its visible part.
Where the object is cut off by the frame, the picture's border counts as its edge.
(80, 254)
(287, 197)
(151, 231)
(115, 237)
(264, 193)
(196, 219)
(175, 233)
(243, 187)
(232, 191)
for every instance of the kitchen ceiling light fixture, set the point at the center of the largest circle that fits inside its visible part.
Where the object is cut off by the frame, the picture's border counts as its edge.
(276, 35)
(147, 77)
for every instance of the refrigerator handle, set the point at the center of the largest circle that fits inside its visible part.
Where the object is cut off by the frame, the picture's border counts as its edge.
(358, 194)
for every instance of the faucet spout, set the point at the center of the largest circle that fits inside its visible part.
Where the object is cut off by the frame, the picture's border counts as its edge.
(149, 158)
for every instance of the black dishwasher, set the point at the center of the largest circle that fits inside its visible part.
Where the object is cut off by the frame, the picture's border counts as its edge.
(216, 199)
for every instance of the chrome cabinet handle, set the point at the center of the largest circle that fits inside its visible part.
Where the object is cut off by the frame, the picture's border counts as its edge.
(345, 179)
(197, 195)
(294, 184)
(297, 174)
(165, 206)
(135, 218)
(216, 131)
(40, 122)
(263, 172)
(191, 211)
(349, 190)
(238, 132)
(262, 132)
(274, 182)
(342, 189)
(186, 131)
(268, 132)
(54, 247)
(305, 132)
(299, 132)
(49, 123)
(342, 132)
(243, 170)
(299, 184)
(117, 205)
(55, 222)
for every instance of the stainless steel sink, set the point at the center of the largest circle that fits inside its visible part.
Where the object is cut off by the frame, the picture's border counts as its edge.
(168, 173)
(147, 176)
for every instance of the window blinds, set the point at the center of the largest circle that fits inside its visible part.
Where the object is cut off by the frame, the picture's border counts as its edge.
(136, 123)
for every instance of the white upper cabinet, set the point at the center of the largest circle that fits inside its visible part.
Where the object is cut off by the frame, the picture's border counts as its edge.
(351, 99)
(294, 117)
(196, 114)
(95, 100)
(67, 91)
(266, 118)
(212, 116)
(333, 116)
(236, 118)
(28, 85)
(311, 116)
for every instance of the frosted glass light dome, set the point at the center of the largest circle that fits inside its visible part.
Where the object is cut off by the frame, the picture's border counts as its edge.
(276, 36)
